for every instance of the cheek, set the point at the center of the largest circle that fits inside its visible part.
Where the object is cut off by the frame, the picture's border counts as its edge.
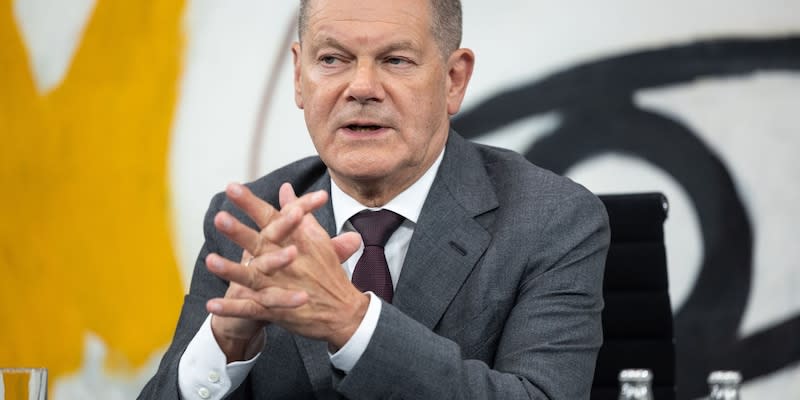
(430, 109)
(321, 100)
(436, 93)
(315, 108)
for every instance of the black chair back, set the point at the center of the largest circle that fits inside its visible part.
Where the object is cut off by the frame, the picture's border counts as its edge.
(637, 318)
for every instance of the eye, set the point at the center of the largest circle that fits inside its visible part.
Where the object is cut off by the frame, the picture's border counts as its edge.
(328, 60)
(396, 61)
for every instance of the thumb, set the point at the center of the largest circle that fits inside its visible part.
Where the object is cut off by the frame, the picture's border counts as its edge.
(346, 244)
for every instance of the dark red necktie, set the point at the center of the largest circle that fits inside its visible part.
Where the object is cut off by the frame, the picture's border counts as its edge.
(372, 271)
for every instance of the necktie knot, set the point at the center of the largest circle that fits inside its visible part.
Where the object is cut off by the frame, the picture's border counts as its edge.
(376, 227)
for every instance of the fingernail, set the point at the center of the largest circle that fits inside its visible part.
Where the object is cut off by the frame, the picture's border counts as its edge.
(236, 190)
(226, 222)
(318, 196)
(214, 307)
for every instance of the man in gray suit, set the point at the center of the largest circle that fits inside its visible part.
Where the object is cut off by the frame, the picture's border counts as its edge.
(487, 286)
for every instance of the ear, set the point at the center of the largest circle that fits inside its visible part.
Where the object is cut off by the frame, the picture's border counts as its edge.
(460, 65)
(296, 57)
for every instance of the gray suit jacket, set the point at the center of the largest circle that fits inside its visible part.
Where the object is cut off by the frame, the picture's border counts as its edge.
(499, 298)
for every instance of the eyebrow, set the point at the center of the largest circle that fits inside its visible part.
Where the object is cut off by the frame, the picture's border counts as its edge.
(329, 42)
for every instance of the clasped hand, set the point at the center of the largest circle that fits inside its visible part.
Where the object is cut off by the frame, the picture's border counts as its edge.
(293, 276)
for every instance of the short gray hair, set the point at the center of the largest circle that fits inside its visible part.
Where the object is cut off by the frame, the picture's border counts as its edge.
(446, 23)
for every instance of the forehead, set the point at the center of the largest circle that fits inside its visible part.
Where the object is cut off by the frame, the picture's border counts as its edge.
(368, 21)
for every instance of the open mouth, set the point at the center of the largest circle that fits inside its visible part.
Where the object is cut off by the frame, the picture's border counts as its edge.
(363, 128)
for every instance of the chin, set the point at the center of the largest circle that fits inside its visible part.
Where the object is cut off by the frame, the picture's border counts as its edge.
(363, 174)
(361, 171)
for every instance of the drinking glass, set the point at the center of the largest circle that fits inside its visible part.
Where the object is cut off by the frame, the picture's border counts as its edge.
(23, 384)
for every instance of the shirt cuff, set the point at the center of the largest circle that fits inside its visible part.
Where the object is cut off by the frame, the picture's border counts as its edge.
(203, 372)
(347, 357)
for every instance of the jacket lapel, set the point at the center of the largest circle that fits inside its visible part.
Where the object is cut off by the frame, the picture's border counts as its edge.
(447, 241)
(325, 214)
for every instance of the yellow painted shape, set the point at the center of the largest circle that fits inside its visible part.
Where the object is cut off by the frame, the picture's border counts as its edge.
(85, 239)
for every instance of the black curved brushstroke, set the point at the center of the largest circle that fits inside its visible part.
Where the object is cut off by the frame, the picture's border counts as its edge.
(598, 116)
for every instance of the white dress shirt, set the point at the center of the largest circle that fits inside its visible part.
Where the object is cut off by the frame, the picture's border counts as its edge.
(203, 372)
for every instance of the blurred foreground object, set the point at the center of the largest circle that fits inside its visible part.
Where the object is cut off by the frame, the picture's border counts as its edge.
(635, 384)
(23, 384)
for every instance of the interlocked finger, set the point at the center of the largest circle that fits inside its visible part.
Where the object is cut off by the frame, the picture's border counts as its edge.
(235, 272)
(257, 209)
(276, 226)
(239, 233)
(254, 273)
(272, 261)
(291, 215)
(264, 215)
(259, 305)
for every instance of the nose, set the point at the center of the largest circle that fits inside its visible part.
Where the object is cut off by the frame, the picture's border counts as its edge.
(365, 85)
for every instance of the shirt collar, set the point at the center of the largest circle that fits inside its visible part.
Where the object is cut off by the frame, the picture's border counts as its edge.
(408, 203)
